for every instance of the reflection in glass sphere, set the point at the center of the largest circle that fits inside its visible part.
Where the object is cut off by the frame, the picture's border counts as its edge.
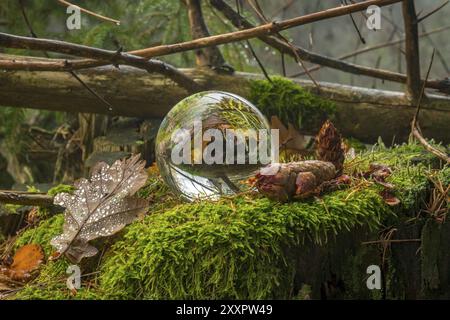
(210, 143)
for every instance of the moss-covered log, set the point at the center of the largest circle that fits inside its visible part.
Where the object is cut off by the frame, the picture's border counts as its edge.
(361, 113)
(250, 247)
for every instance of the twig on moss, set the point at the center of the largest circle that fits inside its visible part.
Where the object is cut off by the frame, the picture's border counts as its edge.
(26, 198)
(96, 15)
(415, 129)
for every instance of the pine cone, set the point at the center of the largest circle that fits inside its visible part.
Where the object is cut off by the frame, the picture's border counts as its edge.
(283, 182)
(329, 146)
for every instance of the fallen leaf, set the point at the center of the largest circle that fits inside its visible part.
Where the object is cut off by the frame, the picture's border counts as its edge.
(291, 141)
(379, 173)
(26, 260)
(100, 206)
(389, 198)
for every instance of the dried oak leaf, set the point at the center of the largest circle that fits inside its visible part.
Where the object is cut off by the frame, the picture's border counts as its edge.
(100, 206)
(26, 260)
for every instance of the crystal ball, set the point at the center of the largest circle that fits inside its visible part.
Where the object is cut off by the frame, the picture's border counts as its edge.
(210, 143)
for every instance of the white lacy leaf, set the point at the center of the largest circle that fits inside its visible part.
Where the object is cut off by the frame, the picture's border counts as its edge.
(100, 206)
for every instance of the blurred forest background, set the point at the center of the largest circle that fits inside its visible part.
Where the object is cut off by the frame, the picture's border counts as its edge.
(152, 22)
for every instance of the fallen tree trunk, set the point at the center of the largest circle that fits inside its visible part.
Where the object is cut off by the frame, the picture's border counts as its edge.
(361, 113)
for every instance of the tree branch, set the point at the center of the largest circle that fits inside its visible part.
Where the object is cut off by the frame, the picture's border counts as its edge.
(261, 30)
(415, 128)
(104, 56)
(239, 22)
(413, 82)
(96, 15)
(26, 198)
(375, 47)
(209, 56)
(253, 32)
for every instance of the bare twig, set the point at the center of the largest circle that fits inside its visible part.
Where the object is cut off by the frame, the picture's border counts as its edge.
(252, 51)
(34, 35)
(375, 47)
(361, 38)
(254, 4)
(420, 19)
(96, 15)
(415, 129)
(26, 198)
(240, 22)
(391, 241)
(113, 57)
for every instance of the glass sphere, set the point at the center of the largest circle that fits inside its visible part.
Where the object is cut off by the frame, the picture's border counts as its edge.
(210, 143)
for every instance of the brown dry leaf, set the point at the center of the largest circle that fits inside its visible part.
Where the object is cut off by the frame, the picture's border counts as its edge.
(389, 198)
(26, 260)
(379, 173)
(100, 206)
(290, 139)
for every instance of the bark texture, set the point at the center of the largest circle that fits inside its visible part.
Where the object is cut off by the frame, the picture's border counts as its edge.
(361, 113)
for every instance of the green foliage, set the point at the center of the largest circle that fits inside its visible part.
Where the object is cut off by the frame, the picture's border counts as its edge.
(61, 188)
(290, 102)
(228, 249)
(10, 121)
(237, 247)
(42, 234)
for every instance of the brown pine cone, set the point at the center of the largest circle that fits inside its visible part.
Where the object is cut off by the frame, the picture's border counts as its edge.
(329, 146)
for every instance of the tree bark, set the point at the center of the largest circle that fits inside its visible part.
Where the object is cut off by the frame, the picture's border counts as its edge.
(361, 113)
(209, 56)
(413, 82)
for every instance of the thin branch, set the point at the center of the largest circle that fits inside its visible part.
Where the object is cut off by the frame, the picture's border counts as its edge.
(104, 57)
(420, 19)
(252, 51)
(34, 35)
(265, 29)
(387, 241)
(415, 129)
(361, 38)
(375, 47)
(96, 15)
(26, 198)
(255, 5)
(240, 22)
(438, 52)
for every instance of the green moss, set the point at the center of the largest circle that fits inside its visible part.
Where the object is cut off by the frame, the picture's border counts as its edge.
(228, 249)
(61, 188)
(290, 102)
(240, 247)
(42, 234)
